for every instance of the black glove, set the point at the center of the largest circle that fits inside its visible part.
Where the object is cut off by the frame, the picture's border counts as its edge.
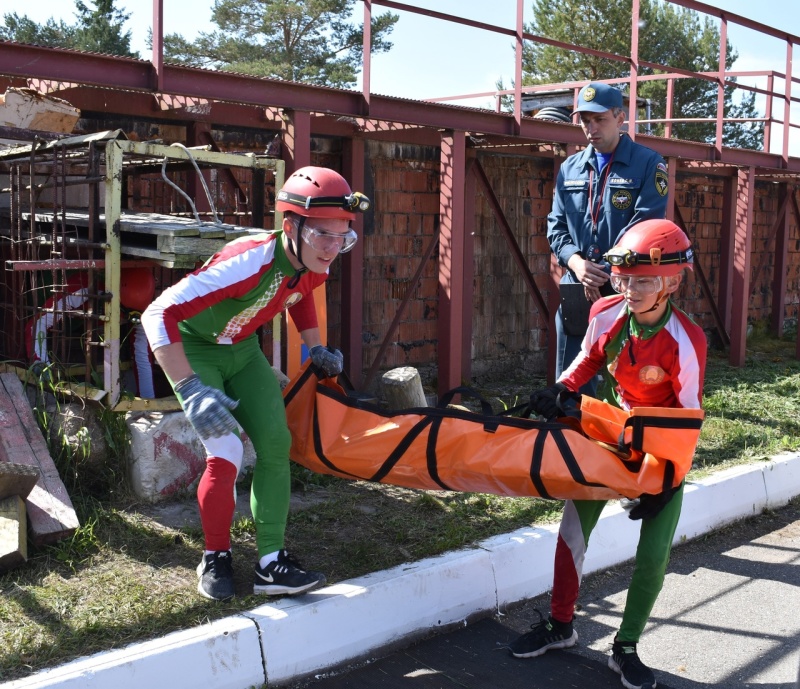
(330, 360)
(650, 505)
(544, 401)
(207, 408)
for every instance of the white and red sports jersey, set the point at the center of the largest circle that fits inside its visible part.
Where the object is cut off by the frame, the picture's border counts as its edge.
(242, 287)
(659, 366)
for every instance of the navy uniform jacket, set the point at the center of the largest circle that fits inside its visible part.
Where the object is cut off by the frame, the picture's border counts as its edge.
(635, 189)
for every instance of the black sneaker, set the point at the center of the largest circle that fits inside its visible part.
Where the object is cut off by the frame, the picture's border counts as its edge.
(546, 634)
(216, 575)
(286, 576)
(633, 672)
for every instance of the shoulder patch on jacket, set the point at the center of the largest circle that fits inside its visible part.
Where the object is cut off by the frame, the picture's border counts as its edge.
(662, 183)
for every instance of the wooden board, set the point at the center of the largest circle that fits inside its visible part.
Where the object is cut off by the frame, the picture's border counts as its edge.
(51, 515)
(13, 538)
(17, 479)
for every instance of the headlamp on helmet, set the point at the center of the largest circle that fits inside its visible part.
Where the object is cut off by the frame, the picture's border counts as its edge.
(619, 256)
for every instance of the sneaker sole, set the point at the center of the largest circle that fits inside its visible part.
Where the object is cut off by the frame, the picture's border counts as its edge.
(275, 590)
(625, 683)
(566, 643)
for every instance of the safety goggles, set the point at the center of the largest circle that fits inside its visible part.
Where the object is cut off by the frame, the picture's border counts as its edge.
(644, 285)
(322, 240)
(617, 256)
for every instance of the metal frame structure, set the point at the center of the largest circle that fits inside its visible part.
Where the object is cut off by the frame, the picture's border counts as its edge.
(105, 84)
(101, 163)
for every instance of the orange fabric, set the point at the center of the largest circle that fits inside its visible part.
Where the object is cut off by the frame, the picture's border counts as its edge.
(450, 449)
(670, 434)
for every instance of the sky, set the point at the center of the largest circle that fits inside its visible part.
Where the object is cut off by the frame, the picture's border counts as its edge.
(433, 59)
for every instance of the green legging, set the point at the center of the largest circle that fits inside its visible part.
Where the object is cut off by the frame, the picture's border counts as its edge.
(650, 565)
(243, 373)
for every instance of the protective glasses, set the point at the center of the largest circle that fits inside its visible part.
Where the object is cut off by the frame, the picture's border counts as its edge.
(322, 240)
(644, 285)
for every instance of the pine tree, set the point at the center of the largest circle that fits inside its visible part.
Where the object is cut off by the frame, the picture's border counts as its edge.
(101, 29)
(312, 41)
(669, 36)
(98, 30)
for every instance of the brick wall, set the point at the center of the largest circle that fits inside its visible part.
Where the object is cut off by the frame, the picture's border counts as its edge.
(508, 332)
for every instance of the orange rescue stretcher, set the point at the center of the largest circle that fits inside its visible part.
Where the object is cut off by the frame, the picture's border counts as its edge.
(599, 452)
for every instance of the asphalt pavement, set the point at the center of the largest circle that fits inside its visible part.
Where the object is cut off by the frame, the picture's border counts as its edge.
(728, 616)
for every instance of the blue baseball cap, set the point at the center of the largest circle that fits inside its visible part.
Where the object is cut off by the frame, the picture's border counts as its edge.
(598, 97)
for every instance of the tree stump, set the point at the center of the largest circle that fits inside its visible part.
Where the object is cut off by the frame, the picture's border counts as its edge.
(402, 388)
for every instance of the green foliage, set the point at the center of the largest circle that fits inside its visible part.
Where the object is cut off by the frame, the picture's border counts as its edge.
(98, 29)
(51, 34)
(670, 36)
(311, 41)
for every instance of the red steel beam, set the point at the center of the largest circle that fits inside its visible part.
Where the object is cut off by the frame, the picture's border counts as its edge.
(353, 268)
(781, 253)
(115, 73)
(726, 249)
(468, 286)
(745, 191)
(452, 171)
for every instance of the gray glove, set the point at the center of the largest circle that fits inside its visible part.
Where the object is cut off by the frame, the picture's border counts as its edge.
(207, 408)
(330, 360)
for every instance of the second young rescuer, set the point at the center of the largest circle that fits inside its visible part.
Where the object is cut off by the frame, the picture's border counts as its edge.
(650, 354)
(203, 334)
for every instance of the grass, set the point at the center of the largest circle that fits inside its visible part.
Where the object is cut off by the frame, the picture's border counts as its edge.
(125, 577)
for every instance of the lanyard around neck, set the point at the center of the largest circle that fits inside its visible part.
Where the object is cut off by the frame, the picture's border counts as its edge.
(594, 208)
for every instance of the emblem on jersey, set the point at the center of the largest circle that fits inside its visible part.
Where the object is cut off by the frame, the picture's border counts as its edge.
(651, 375)
(621, 199)
(662, 183)
(662, 167)
(589, 94)
(292, 299)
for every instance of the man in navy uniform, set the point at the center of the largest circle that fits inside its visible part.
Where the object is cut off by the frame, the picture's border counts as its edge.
(599, 193)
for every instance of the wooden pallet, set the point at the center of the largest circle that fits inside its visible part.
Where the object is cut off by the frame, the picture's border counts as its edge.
(171, 241)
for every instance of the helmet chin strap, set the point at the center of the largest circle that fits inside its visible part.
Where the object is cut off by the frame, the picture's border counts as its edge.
(663, 295)
(296, 249)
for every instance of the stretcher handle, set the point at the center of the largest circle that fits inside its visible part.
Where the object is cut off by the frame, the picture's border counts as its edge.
(447, 398)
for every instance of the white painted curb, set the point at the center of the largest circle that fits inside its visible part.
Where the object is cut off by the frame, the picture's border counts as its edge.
(274, 644)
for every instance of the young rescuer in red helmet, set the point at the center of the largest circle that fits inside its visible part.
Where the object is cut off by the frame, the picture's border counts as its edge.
(203, 333)
(650, 354)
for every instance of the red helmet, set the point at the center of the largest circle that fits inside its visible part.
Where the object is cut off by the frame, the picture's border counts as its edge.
(651, 247)
(136, 288)
(319, 192)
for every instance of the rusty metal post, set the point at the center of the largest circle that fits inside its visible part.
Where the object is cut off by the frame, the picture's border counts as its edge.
(781, 263)
(745, 190)
(633, 109)
(451, 259)
(296, 148)
(723, 52)
(352, 303)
